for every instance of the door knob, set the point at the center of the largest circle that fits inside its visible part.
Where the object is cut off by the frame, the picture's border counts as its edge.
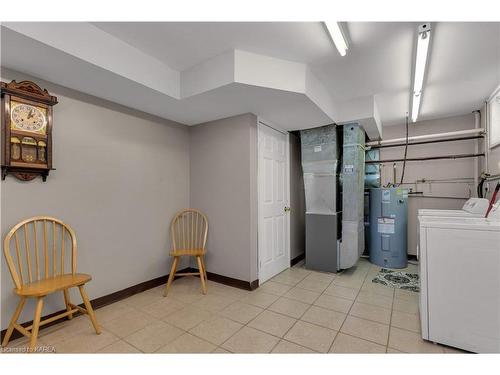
(286, 209)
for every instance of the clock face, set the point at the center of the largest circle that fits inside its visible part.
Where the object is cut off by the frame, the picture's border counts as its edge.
(28, 117)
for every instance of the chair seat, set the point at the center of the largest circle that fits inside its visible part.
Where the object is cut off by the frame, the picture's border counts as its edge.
(193, 252)
(52, 284)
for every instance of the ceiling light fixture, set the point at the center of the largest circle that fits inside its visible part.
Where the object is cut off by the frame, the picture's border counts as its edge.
(415, 106)
(338, 37)
(423, 42)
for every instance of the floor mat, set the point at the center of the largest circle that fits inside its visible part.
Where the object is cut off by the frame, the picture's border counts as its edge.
(398, 279)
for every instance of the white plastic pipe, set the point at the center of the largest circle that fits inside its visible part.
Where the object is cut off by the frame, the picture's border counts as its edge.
(427, 137)
(486, 142)
(477, 125)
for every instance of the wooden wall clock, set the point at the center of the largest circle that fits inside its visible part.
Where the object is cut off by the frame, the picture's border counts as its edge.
(26, 130)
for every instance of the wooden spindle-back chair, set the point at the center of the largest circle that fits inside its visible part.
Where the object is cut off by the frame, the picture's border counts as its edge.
(44, 262)
(189, 230)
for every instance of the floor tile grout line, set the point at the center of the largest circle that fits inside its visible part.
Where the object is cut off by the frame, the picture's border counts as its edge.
(359, 338)
(291, 327)
(296, 283)
(278, 337)
(370, 320)
(235, 333)
(134, 345)
(130, 334)
(303, 346)
(296, 320)
(194, 334)
(128, 342)
(274, 346)
(390, 321)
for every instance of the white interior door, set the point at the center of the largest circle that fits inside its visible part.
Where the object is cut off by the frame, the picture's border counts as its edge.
(273, 197)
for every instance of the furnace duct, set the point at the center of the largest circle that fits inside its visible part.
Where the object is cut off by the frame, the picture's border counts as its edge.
(320, 155)
(353, 185)
(329, 246)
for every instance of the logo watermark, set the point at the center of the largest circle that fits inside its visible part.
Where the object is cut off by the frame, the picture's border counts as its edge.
(26, 349)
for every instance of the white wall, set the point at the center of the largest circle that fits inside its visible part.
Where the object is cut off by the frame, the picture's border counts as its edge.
(120, 177)
(224, 186)
(432, 170)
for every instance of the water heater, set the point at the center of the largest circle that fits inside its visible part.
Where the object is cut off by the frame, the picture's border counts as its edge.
(388, 227)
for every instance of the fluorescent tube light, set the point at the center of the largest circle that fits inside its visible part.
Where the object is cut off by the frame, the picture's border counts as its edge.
(421, 61)
(423, 39)
(338, 37)
(415, 107)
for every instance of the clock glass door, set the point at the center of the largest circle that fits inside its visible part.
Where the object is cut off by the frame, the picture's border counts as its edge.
(28, 118)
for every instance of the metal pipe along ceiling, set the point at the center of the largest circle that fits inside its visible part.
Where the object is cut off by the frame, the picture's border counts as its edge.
(470, 137)
(457, 156)
(427, 136)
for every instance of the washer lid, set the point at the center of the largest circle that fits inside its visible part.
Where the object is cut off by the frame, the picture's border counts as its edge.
(464, 223)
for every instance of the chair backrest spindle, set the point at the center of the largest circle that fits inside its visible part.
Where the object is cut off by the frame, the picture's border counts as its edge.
(19, 259)
(54, 251)
(45, 248)
(27, 249)
(37, 257)
(62, 251)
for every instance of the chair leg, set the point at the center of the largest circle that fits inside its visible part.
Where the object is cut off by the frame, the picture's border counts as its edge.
(36, 323)
(171, 276)
(13, 321)
(202, 275)
(90, 311)
(204, 267)
(67, 301)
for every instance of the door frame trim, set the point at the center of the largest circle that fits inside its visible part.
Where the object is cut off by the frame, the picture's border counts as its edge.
(261, 122)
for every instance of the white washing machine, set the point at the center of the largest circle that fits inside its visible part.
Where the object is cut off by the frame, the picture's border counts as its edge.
(460, 281)
(474, 207)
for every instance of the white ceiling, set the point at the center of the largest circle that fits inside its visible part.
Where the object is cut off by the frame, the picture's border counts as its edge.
(462, 71)
(181, 45)
(379, 63)
(276, 106)
(464, 67)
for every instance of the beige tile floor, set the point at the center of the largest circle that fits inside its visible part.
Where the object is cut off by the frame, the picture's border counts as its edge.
(298, 311)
